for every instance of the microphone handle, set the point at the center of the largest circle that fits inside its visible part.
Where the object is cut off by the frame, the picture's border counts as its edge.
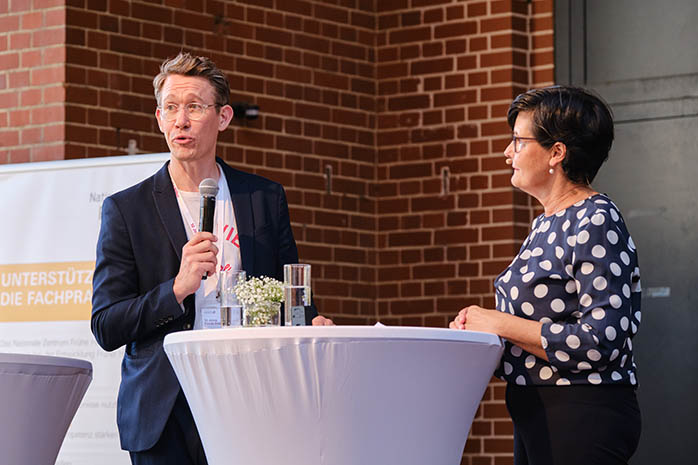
(206, 212)
(206, 215)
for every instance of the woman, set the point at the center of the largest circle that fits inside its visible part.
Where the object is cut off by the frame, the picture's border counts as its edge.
(568, 305)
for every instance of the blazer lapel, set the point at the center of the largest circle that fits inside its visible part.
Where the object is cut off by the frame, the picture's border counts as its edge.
(244, 218)
(168, 210)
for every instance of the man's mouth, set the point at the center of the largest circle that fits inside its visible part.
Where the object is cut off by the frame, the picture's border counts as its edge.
(183, 139)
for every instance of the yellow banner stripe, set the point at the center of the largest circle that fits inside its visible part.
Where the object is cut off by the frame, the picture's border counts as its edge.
(46, 291)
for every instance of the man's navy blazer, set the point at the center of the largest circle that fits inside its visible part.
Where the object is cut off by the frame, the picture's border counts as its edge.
(138, 256)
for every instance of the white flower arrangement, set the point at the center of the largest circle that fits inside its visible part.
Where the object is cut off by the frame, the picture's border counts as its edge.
(259, 290)
(261, 299)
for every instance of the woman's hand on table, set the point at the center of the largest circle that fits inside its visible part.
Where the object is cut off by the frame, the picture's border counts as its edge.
(322, 321)
(476, 318)
(520, 331)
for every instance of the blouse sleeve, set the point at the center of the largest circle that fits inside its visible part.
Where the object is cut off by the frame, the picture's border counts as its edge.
(605, 271)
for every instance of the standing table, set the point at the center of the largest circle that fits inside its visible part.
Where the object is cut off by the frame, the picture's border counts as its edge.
(39, 396)
(340, 395)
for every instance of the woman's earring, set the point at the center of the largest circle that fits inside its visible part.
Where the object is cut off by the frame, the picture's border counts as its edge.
(551, 171)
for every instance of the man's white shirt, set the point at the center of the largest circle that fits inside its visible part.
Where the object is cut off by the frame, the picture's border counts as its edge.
(225, 229)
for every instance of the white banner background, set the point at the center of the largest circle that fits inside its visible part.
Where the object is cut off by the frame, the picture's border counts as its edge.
(51, 214)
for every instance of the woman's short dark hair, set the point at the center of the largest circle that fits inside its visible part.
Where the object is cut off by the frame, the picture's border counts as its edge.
(574, 116)
(186, 64)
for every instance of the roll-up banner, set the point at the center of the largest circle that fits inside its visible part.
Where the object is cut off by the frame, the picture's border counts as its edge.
(51, 213)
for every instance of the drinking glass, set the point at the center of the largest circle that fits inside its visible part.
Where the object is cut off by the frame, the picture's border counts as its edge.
(231, 307)
(296, 293)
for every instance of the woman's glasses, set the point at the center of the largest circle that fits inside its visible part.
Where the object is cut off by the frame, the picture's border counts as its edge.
(519, 142)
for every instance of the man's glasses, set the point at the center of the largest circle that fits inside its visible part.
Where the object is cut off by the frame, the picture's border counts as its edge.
(194, 111)
(518, 142)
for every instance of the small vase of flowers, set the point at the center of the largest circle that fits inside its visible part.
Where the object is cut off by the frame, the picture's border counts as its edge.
(261, 301)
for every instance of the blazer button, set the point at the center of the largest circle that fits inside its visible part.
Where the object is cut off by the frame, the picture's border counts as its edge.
(187, 326)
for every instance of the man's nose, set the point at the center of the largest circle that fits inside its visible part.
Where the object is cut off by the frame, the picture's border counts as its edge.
(182, 119)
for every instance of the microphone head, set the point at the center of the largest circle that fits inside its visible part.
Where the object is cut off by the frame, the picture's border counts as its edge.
(208, 187)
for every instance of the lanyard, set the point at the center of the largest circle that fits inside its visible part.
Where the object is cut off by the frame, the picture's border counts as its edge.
(183, 206)
(220, 200)
(185, 210)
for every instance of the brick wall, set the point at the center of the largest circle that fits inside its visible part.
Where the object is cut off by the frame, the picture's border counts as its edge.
(400, 103)
(32, 73)
(310, 68)
(448, 219)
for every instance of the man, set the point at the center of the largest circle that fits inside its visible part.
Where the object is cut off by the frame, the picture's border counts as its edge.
(151, 258)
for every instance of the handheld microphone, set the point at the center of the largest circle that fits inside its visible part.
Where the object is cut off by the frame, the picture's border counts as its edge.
(208, 190)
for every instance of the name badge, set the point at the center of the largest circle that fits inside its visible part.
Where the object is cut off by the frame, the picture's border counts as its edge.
(211, 317)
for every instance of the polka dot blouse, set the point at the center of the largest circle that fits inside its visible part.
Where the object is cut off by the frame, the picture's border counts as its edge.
(577, 273)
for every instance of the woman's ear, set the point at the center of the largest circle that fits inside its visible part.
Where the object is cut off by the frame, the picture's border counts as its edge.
(558, 152)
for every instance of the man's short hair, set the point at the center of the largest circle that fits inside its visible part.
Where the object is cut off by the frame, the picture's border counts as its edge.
(186, 64)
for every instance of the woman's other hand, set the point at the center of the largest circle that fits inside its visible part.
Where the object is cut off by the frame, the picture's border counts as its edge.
(476, 318)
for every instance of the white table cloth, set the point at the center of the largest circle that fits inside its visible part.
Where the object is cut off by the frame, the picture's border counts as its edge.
(344, 395)
(39, 396)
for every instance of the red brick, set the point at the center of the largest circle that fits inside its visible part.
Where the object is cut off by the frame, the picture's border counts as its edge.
(53, 133)
(433, 16)
(432, 49)
(18, 79)
(367, 21)
(355, 52)
(48, 153)
(51, 75)
(498, 93)
(460, 29)
(543, 77)
(9, 137)
(9, 61)
(336, 81)
(439, 65)
(540, 23)
(406, 35)
(454, 98)
(388, 54)
(456, 46)
(499, 445)
(392, 70)
(32, 20)
(412, 306)
(17, 156)
(151, 13)
(456, 236)
(54, 17)
(391, 5)
(9, 23)
(408, 103)
(421, 204)
(19, 118)
(28, 98)
(47, 37)
(20, 40)
(350, 255)
(315, 44)
(542, 58)
(328, 13)
(302, 8)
